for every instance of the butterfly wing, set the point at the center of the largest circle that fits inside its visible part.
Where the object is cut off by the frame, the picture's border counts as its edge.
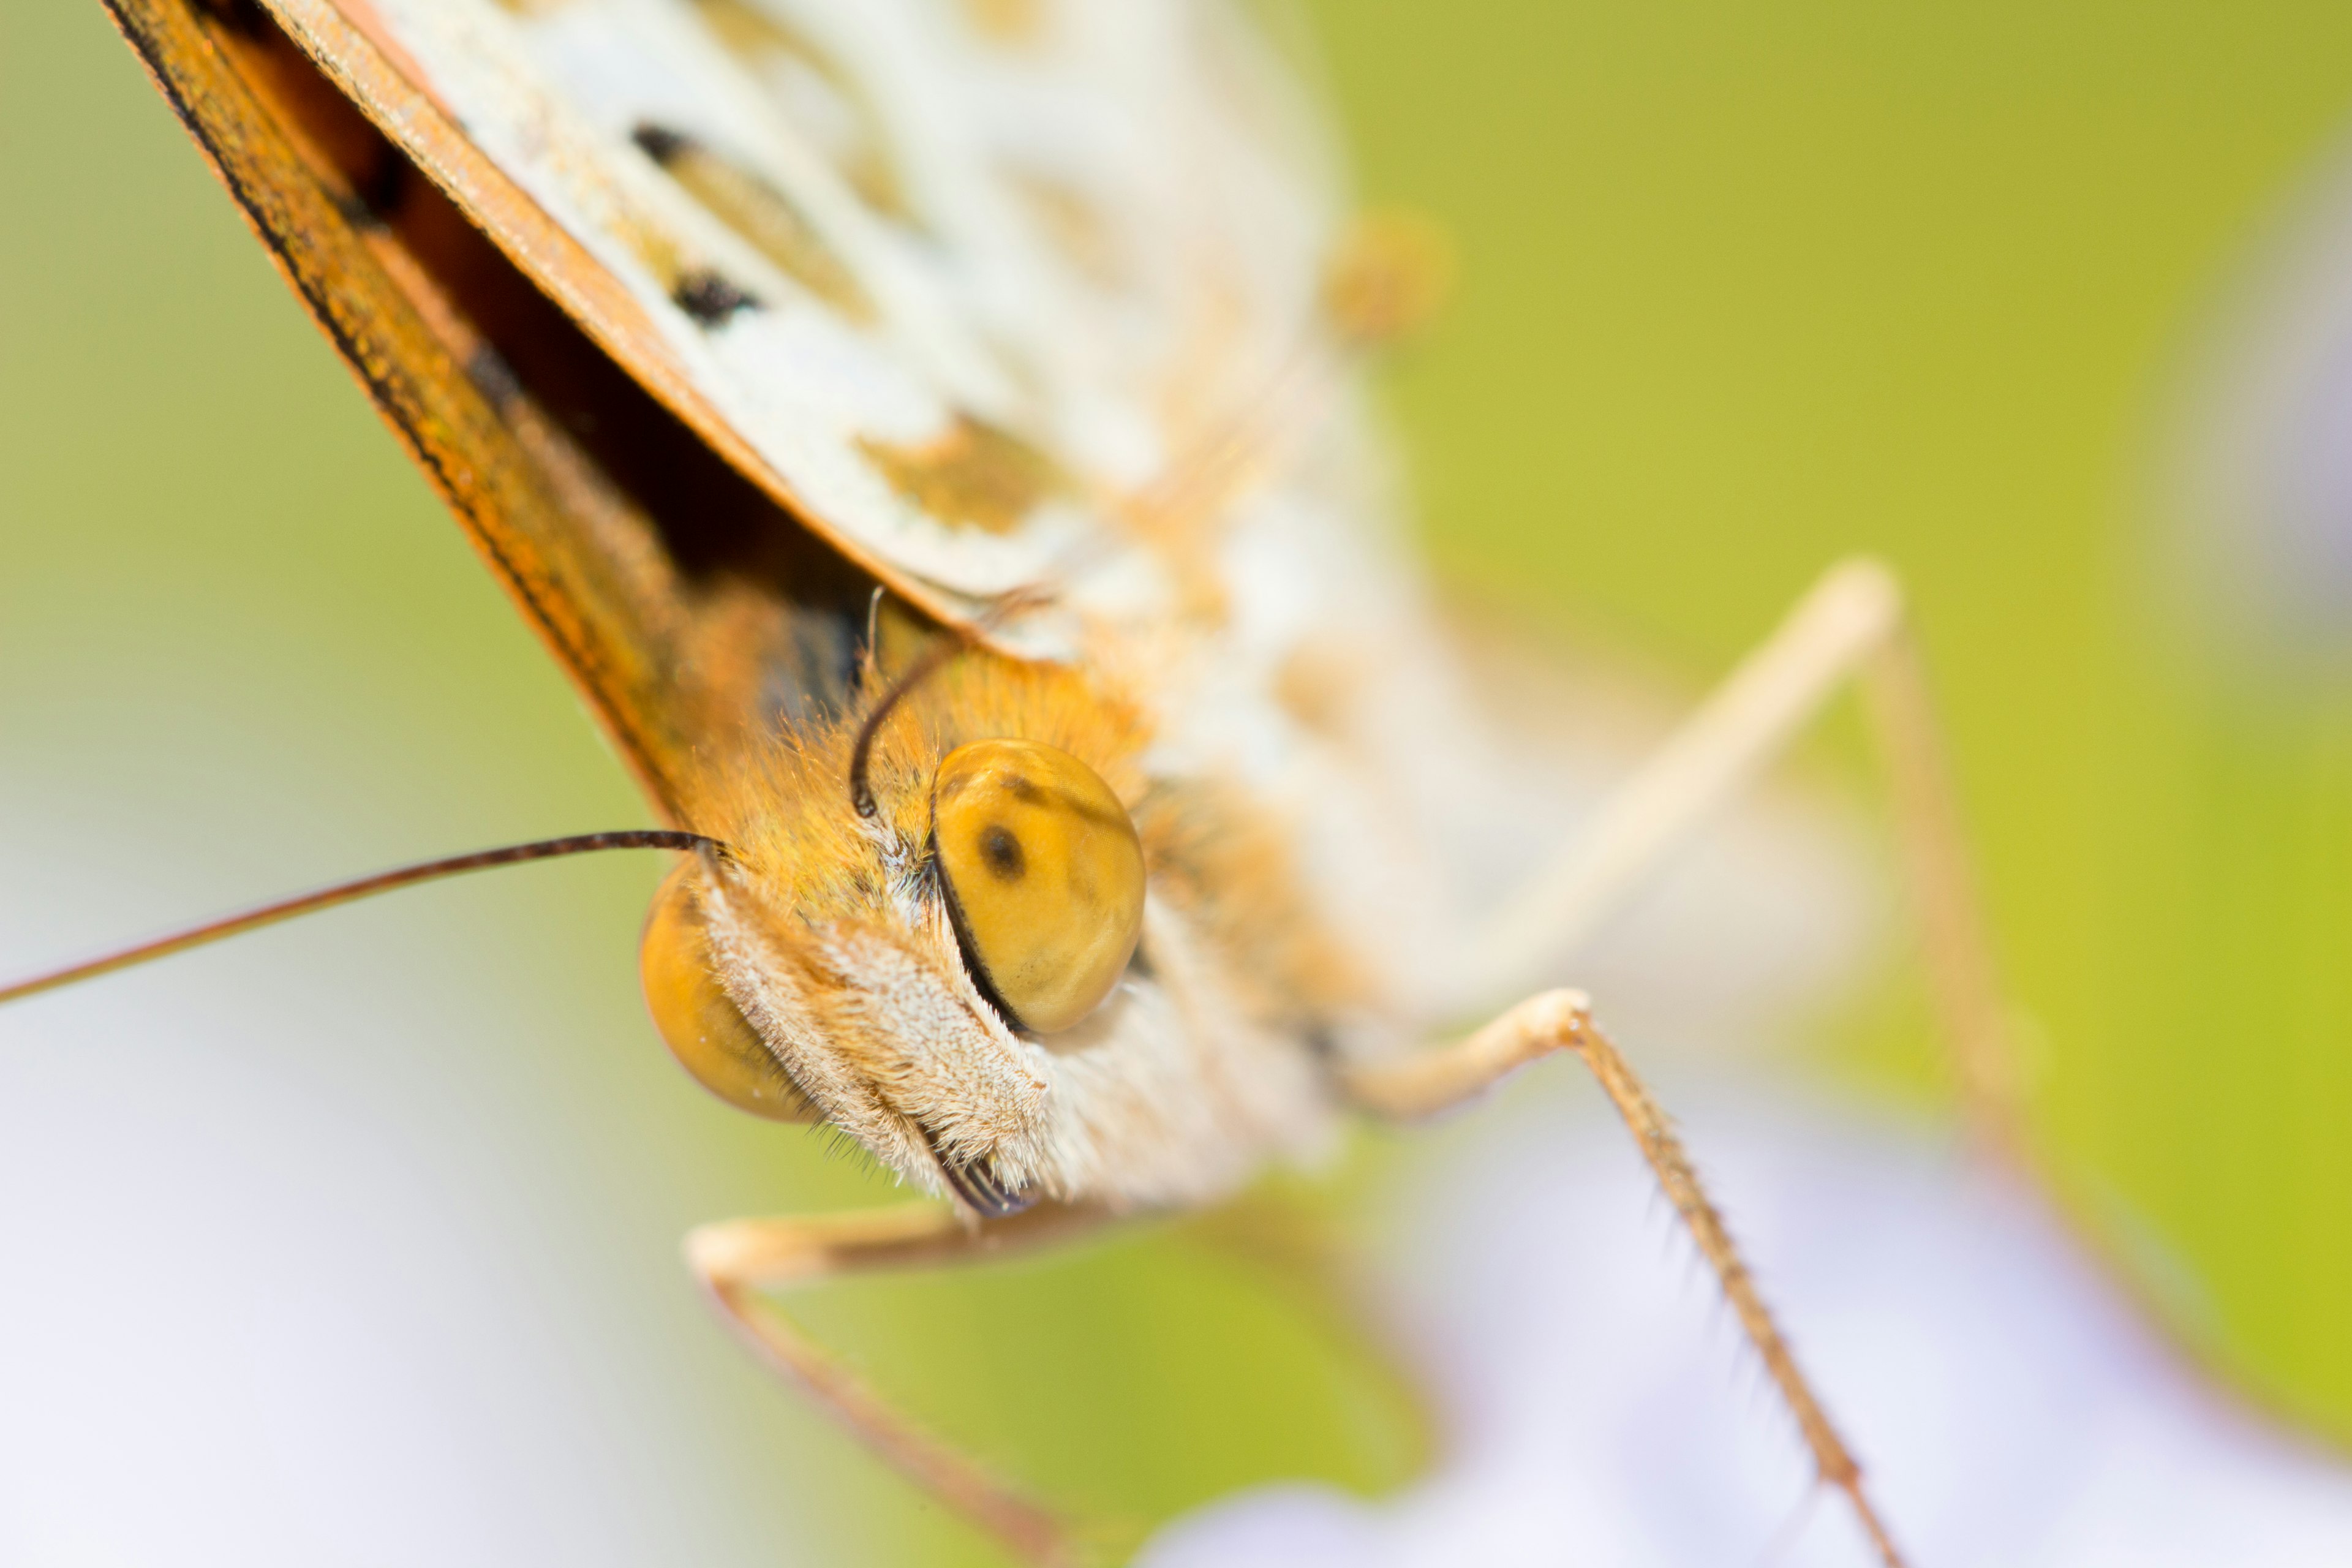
(661, 638)
(947, 336)
(710, 316)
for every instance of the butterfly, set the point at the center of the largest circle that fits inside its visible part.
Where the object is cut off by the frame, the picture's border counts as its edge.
(927, 440)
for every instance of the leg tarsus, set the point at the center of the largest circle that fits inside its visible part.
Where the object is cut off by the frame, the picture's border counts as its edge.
(1964, 979)
(1872, 1526)
(1561, 1021)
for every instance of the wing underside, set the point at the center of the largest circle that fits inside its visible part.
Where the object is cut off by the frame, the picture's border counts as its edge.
(686, 602)
(708, 317)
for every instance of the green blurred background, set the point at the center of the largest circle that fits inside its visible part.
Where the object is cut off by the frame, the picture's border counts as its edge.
(1743, 289)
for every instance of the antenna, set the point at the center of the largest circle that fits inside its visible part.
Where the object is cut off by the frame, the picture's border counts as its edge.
(347, 892)
(953, 641)
(861, 751)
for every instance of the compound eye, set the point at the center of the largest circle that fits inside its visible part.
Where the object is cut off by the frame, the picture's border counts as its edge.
(1045, 877)
(702, 1028)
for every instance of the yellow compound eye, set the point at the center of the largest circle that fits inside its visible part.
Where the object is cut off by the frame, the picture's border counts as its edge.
(1045, 875)
(703, 1029)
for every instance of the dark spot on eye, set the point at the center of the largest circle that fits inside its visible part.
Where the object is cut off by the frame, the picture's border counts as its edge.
(710, 299)
(1002, 852)
(1019, 788)
(659, 142)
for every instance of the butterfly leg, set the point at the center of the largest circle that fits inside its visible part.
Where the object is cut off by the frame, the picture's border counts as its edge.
(1561, 1021)
(1850, 627)
(741, 1261)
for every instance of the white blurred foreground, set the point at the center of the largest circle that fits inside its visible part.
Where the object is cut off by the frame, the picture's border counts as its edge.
(2008, 1407)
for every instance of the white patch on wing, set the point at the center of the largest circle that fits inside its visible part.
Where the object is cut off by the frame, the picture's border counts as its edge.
(1150, 122)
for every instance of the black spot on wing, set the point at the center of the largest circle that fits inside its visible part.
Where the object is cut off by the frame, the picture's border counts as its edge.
(659, 142)
(710, 299)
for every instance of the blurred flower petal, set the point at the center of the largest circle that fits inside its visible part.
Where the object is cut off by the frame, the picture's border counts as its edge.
(2255, 465)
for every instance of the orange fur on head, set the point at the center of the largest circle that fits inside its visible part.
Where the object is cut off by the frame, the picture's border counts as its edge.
(786, 809)
(829, 930)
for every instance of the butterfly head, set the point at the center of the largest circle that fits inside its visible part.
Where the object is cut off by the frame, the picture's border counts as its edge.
(976, 979)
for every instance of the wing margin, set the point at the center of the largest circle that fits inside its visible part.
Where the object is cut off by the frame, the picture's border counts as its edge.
(681, 641)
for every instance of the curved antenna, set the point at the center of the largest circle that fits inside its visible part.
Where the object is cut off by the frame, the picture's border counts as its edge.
(861, 751)
(953, 641)
(346, 892)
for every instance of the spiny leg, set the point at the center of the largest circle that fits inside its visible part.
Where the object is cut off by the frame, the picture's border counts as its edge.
(1962, 974)
(739, 1261)
(1562, 1021)
(1850, 625)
